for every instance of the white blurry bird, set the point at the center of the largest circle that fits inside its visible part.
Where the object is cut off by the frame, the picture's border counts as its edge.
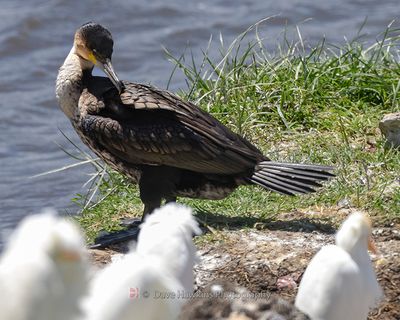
(149, 282)
(134, 287)
(167, 235)
(340, 282)
(43, 270)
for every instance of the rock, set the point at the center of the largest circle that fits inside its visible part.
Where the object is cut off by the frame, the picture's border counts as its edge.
(344, 203)
(390, 128)
(391, 189)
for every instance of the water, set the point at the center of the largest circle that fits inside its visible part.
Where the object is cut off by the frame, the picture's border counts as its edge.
(36, 35)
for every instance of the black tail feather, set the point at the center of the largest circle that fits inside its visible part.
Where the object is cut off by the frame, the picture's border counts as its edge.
(291, 178)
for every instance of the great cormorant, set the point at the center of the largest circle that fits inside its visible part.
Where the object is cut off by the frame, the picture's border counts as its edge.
(169, 146)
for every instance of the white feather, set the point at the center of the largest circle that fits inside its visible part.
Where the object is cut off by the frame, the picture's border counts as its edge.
(340, 283)
(133, 288)
(43, 270)
(159, 270)
(167, 234)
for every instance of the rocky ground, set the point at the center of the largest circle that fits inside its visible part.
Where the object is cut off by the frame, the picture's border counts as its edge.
(271, 258)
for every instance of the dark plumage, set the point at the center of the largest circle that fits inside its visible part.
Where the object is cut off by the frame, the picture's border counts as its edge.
(168, 146)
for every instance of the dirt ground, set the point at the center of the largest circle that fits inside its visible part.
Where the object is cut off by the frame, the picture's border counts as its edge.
(270, 258)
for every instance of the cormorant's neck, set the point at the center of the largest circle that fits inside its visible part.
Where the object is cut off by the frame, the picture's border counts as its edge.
(70, 81)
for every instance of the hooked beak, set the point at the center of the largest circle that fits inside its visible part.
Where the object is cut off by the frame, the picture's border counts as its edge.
(109, 71)
(372, 246)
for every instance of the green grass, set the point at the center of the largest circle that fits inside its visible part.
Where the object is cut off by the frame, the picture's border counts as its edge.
(318, 104)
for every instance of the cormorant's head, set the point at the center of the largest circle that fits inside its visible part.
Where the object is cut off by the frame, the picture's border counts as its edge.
(94, 44)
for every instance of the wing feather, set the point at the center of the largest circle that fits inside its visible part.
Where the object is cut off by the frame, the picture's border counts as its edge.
(145, 125)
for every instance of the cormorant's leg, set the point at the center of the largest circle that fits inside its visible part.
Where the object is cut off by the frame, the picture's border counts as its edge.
(149, 207)
(155, 183)
(150, 192)
(106, 239)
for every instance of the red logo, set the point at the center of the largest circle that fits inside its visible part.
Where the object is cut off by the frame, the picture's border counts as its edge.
(133, 293)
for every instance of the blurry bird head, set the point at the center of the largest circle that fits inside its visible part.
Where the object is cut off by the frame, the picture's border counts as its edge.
(47, 234)
(66, 243)
(356, 231)
(94, 44)
(172, 216)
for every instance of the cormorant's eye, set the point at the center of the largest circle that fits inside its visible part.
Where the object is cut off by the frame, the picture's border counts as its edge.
(97, 54)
